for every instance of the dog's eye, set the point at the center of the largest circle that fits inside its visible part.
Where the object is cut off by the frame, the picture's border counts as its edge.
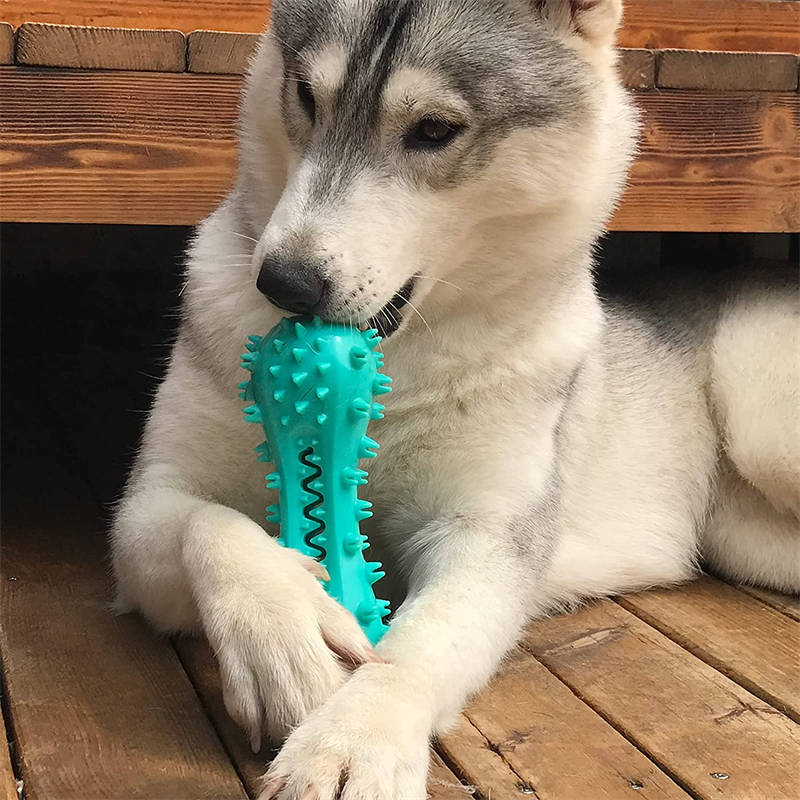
(431, 133)
(306, 97)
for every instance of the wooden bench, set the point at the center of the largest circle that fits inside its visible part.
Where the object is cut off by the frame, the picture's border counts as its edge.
(137, 126)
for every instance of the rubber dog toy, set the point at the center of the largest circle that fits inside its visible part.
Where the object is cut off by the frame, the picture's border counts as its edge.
(313, 388)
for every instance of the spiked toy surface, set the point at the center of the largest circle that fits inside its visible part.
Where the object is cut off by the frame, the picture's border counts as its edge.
(313, 388)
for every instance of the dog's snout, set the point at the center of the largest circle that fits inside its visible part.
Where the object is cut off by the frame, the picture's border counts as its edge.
(292, 285)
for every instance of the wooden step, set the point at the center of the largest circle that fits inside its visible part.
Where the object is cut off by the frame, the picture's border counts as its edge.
(753, 25)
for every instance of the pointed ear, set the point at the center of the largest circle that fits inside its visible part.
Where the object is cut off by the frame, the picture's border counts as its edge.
(596, 21)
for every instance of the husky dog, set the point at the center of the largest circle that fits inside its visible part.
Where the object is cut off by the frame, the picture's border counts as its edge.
(444, 168)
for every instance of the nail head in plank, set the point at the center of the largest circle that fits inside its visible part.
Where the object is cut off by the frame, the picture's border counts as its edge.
(556, 743)
(692, 69)
(6, 43)
(72, 46)
(100, 705)
(678, 710)
(748, 25)
(201, 666)
(755, 645)
(637, 68)
(471, 754)
(219, 52)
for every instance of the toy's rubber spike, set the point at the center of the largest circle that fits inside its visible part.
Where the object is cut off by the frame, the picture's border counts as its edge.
(301, 406)
(299, 329)
(264, 452)
(359, 408)
(377, 411)
(273, 513)
(321, 418)
(358, 356)
(322, 392)
(367, 448)
(323, 367)
(298, 353)
(275, 370)
(278, 344)
(279, 395)
(362, 509)
(253, 414)
(317, 322)
(299, 378)
(273, 480)
(381, 386)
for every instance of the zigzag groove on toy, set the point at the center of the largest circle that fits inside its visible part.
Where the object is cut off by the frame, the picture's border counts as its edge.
(313, 388)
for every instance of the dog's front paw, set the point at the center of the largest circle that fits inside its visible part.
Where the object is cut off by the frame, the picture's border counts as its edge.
(283, 645)
(368, 742)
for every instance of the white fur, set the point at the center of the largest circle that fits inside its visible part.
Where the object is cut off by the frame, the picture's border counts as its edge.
(537, 451)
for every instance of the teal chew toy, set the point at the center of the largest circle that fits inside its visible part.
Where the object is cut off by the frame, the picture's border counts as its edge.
(313, 388)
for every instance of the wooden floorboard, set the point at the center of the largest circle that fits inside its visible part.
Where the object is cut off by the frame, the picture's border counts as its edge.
(786, 604)
(715, 738)
(753, 644)
(549, 740)
(159, 148)
(101, 707)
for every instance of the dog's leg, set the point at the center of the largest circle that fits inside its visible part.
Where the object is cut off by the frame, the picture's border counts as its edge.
(464, 613)
(280, 640)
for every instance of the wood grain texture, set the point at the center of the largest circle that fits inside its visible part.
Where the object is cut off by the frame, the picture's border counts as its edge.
(638, 68)
(753, 644)
(71, 46)
(219, 52)
(143, 148)
(692, 69)
(715, 162)
(8, 782)
(552, 741)
(750, 25)
(785, 603)
(677, 709)
(247, 16)
(6, 43)
(200, 665)
(755, 25)
(154, 148)
(100, 705)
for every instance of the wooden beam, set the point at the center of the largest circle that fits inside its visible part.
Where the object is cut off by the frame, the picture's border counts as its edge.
(157, 148)
(71, 46)
(638, 68)
(6, 43)
(219, 52)
(749, 25)
(753, 25)
(692, 69)
(717, 738)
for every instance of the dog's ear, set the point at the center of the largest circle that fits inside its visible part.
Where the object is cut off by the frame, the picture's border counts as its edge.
(596, 21)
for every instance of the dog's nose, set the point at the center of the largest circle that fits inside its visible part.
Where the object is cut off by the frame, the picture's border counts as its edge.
(292, 285)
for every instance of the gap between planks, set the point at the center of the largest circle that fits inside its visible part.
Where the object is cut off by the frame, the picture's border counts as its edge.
(704, 729)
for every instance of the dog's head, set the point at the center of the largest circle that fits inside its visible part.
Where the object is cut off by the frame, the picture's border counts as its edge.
(388, 145)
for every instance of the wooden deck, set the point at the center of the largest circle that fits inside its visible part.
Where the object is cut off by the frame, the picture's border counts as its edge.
(693, 692)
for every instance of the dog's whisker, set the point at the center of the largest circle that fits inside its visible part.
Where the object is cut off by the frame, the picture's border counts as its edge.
(439, 280)
(244, 236)
(419, 314)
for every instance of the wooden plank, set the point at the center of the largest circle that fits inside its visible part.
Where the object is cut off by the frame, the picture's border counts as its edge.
(752, 25)
(155, 148)
(100, 705)
(200, 665)
(756, 25)
(8, 782)
(692, 69)
(6, 43)
(748, 641)
(785, 603)
(248, 16)
(638, 68)
(220, 52)
(529, 718)
(71, 46)
(715, 738)
(715, 162)
(139, 148)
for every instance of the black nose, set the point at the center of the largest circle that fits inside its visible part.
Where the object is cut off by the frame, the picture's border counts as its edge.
(293, 285)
